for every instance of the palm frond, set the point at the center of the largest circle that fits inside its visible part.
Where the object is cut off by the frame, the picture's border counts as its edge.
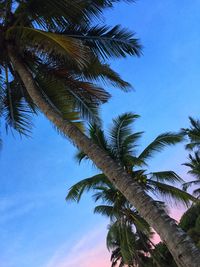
(97, 136)
(194, 165)
(51, 13)
(109, 195)
(80, 155)
(196, 192)
(120, 131)
(193, 133)
(76, 191)
(133, 217)
(1, 95)
(106, 210)
(132, 161)
(107, 42)
(101, 72)
(188, 184)
(171, 193)
(57, 96)
(160, 143)
(84, 97)
(87, 105)
(67, 48)
(124, 241)
(130, 143)
(17, 109)
(165, 176)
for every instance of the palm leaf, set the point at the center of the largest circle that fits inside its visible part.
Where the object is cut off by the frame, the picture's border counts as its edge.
(160, 143)
(109, 195)
(76, 191)
(135, 219)
(107, 42)
(193, 133)
(188, 184)
(80, 155)
(101, 72)
(51, 13)
(165, 176)
(97, 135)
(17, 109)
(171, 193)
(57, 96)
(87, 108)
(194, 165)
(106, 210)
(84, 97)
(131, 161)
(51, 43)
(120, 131)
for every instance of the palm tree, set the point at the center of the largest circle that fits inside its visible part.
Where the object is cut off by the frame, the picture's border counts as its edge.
(39, 38)
(120, 145)
(129, 248)
(193, 134)
(194, 165)
(63, 55)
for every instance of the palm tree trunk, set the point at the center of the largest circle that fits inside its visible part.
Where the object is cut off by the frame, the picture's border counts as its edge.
(180, 245)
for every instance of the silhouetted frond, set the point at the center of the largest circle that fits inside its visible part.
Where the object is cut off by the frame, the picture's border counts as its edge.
(107, 42)
(87, 184)
(159, 143)
(171, 193)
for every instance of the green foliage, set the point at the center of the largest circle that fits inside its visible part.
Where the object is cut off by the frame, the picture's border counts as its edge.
(106, 42)
(129, 235)
(128, 247)
(190, 217)
(121, 143)
(65, 52)
(160, 143)
(193, 133)
(193, 163)
(87, 184)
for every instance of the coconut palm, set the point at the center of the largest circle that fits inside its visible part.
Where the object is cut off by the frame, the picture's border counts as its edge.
(129, 248)
(193, 133)
(120, 145)
(63, 55)
(39, 38)
(194, 166)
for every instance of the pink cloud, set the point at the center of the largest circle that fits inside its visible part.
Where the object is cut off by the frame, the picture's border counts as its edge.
(89, 251)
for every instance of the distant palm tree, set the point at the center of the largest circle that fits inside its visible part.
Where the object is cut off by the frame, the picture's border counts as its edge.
(120, 145)
(194, 165)
(48, 49)
(129, 248)
(193, 134)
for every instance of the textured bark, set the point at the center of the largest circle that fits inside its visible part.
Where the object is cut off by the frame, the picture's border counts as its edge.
(180, 245)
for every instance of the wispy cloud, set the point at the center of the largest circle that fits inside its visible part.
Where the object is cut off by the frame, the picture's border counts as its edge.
(89, 251)
(12, 207)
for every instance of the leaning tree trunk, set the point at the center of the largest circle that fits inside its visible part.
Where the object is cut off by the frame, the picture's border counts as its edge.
(180, 245)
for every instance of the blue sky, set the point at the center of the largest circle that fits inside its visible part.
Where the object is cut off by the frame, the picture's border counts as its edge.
(37, 227)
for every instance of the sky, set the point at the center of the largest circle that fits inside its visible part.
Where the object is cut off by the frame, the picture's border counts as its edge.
(37, 227)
